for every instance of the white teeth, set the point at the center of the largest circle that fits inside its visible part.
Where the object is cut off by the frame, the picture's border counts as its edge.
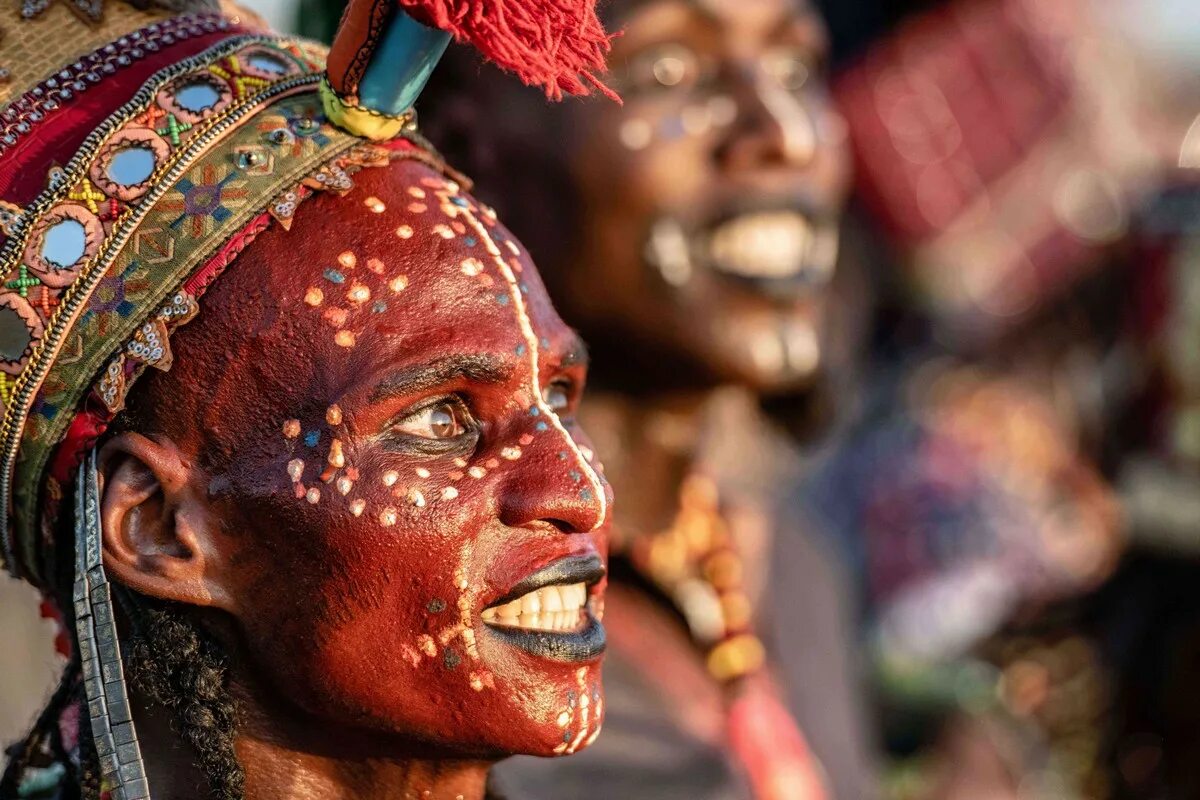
(531, 603)
(552, 599)
(551, 608)
(775, 244)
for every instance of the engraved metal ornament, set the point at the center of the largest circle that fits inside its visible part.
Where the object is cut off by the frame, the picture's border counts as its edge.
(100, 654)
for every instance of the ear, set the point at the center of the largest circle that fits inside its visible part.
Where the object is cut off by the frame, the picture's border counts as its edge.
(158, 535)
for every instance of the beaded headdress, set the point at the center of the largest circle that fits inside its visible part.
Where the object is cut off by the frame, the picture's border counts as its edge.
(142, 148)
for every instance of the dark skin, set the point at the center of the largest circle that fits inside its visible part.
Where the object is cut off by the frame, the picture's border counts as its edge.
(726, 120)
(366, 439)
(670, 346)
(729, 132)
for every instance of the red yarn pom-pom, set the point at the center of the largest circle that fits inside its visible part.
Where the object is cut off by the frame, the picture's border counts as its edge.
(559, 45)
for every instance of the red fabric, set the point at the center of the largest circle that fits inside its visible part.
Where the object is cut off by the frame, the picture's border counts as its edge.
(944, 108)
(62, 642)
(559, 45)
(769, 745)
(85, 429)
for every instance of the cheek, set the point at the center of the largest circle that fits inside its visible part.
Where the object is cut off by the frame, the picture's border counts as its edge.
(378, 621)
(363, 619)
(656, 154)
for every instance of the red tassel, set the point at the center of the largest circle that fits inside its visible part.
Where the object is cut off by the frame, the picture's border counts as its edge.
(559, 45)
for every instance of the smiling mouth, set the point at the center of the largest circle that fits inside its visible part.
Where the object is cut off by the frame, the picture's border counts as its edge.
(551, 608)
(551, 612)
(780, 251)
(772, 246)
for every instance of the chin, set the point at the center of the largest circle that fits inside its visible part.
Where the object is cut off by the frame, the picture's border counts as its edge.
(545, 713)
(768, 354)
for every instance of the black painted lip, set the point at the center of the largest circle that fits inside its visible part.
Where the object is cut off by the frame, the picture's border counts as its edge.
(588, 570)
(582, 645)
(572, 647)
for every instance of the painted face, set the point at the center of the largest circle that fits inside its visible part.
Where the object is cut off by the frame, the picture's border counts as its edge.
(414, 526)
(714, 193)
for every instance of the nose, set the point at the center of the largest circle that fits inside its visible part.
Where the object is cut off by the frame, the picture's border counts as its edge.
(555, 484)
(774, 127)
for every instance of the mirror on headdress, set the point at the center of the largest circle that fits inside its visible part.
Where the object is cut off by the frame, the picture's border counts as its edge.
(264, 62)
(64, 243)
(131, 166)
(197, 96)
(14, 335)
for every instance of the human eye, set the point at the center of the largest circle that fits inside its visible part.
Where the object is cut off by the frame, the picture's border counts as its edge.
(561, 395)
(438, 426)
(673, 67)
(789, 66)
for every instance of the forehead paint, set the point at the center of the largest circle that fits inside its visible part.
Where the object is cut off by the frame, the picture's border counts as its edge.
(532, 344)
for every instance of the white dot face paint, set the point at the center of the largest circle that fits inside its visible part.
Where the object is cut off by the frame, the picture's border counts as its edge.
(418, 539)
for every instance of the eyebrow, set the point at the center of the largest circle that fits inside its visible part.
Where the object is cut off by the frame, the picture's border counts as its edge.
(422, 377)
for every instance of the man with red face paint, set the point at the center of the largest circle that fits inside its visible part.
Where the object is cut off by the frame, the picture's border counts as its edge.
(288, 426)
(692, 235)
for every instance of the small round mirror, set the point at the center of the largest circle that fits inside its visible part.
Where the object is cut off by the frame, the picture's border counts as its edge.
(131, 166)
(197, 96)
(64, 243)
(264, 62)
(14, 334)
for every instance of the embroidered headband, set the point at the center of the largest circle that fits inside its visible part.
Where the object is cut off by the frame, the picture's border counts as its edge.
(139, 158)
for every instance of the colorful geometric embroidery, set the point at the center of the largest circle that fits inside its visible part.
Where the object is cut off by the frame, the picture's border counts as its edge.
(62, 246)
(110, 298)
(207, 196)
(65, 229)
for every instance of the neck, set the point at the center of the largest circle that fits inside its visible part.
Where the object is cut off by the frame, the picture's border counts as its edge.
(277, 772)
(307, 761)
